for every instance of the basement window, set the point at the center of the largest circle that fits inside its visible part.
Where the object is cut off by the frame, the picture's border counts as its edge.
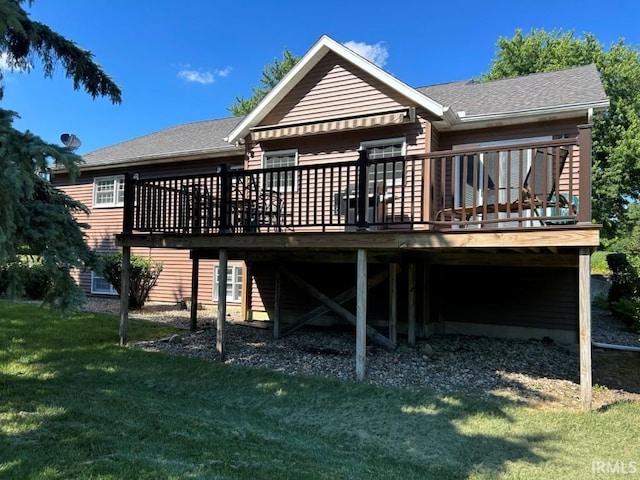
(234, 283)
(100, 286)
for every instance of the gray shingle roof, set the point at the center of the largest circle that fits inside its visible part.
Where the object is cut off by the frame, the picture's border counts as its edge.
(189, 138)
(573, 86)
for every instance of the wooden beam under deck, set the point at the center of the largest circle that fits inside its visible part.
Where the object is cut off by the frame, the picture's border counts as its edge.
(576, 236)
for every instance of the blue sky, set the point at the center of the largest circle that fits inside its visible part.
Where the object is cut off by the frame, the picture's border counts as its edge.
(184, 61)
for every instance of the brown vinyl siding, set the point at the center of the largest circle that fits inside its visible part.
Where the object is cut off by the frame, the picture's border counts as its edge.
(343, 146)
(333, 88)
(331, 279)
(174, 282)
(556, 129)
(510, 296)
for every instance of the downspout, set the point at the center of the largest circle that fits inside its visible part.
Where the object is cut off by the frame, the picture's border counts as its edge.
(615, 347)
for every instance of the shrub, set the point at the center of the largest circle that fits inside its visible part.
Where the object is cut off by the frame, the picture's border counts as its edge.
(624, 278)
(143, 276)
(36, 282)
(25, 279)
(628, 309)
(599, 264)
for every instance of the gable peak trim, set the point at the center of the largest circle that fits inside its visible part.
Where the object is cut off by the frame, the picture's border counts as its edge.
(324, 45)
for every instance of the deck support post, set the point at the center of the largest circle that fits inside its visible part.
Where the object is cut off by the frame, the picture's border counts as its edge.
(195, 267)
(584, 309)
(361, 315)
(222, 301)
(276, 305)
(426, 298)
(124, 294)
(411, 329)
(393, 303)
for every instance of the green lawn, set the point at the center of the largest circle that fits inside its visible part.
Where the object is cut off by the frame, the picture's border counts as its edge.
(75, 405)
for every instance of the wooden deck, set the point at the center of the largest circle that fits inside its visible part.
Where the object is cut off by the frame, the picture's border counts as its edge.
(536, 185)
(550, 239)
(514, 207)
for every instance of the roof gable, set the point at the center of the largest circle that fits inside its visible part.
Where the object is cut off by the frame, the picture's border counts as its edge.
(333, 89)
(323, 47)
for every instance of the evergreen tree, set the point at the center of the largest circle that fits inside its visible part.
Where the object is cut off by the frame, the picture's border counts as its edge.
(271, 75)
(616, 133)
(35, 217)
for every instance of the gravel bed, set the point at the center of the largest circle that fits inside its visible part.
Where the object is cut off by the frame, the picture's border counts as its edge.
(530, 371)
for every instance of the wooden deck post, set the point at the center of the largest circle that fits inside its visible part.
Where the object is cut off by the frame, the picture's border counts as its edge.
(361, 315)
(195, 266)
(393, 303)
(222, 301)
(584, 301)
(411, 329)
(426, 297)
(124, 294)
(276, 305)
(584, 146)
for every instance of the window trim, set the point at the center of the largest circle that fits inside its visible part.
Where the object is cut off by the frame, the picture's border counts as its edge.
(240, 283)
(276, 153)
(112, 290)
(116, 180)
(385, 141)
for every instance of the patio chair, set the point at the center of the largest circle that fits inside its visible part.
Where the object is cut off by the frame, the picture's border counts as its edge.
(561, 207)
(538, 191)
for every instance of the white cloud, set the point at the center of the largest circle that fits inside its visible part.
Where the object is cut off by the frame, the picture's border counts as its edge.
(224, 73)
(189, 75)
(196, 77)
(376, 53)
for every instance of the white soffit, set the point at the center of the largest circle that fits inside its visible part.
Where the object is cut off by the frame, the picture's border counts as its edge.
(304, 66)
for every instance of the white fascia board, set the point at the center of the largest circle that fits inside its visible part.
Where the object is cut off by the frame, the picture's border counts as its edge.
(306, 63)
(518, 116)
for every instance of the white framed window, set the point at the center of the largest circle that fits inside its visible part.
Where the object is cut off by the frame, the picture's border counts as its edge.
(280, 181)
(108, 191)
(392, 173)
(99, 285)
(234, 283)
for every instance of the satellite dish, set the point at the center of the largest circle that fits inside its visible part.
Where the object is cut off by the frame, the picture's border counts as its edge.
(70, 140)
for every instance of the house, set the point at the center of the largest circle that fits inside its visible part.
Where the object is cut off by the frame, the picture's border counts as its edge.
(462, 207)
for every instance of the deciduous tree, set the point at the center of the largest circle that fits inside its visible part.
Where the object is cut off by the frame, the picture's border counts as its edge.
(616, 133)
(271, 75)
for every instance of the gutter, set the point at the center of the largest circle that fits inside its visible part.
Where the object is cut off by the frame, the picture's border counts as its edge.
(184, 155)
(611, 346)
(522, 116)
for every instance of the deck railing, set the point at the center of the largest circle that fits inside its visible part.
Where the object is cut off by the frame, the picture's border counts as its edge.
(528, 185)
